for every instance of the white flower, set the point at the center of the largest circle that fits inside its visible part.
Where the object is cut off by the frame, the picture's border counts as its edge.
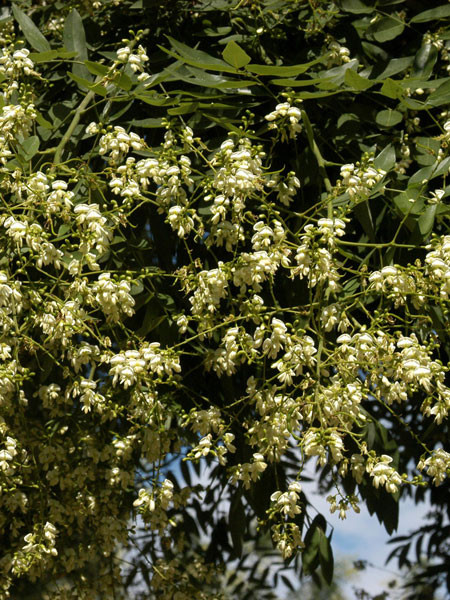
(436, 196)
(92, 128)
(437, 465)
(285, 118)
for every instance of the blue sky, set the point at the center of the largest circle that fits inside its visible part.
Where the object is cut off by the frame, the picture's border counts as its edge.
(361, 537)
(358, 537)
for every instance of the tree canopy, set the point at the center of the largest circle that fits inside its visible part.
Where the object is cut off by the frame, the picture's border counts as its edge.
(225, 257)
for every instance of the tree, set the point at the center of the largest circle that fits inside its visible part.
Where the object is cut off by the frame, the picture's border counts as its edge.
(224, 246)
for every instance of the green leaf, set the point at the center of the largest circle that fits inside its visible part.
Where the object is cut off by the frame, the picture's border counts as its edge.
(183, 109)
(326, 558)
(66, 54)
(386, 510)
(388, 118)
(152, 318)
(386, 29)
(96, 68)
(396, 65)
(405, 201)
(155, 99)
(226, 124)
(204, 79)
(440, 323)
(412, 104)
(32, 34)
(356, 81)
(137, 288)
(386, 159)
(197, 58)
(122, 81)
(310, 555)
(42, 121)
(186, 472)
(428, 149)
(424, 61)
(440, 12)
(75, 41)
(235, 56)
(392, 89)
(306, 95)
(364, 216)
(321, 84)
(287, 582)
(355, 6)
(370, 433)
(441, 95)
(63, 229)
(29, 147)
(86, 84)
(283, 70)
(237, 522)
(426, 221)
(294, 83)
(442, 167)
(40, 57)
(421, 175)
(150, 122)
(337, 74)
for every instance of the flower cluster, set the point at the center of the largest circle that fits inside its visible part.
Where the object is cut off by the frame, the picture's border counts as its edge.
(397, 284)
(153, 504)
(338, 54)
(287, 538)
(437, 465)
(359, 179)
(343, 505)
(270, 326)
(136, 60)
(131, 366)
(315, 254)
(15, 63)
(250, 471)
(33, 236)
(117, 143)
(210, 288)
(286, 503)
(113, 298)
(286, 119)
(39, 545)
(383, 474)
(15, 121)
(286, 188)
(437, 263)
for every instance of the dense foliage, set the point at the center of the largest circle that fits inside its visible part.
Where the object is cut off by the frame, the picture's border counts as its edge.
(225, 257)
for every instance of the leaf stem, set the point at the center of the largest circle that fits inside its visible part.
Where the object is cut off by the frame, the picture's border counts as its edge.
(76, 118)
(315, 149)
